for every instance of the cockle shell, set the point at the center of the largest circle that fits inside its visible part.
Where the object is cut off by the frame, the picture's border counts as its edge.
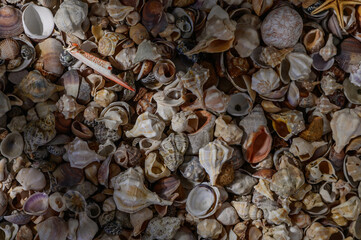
(213, 156)
(329, 50)
(185, 121)
(341, 133)
(228, 130)
(68, 106)
(70, 17)
(36, 87)
(9, 49)
(282, 27)
(172, 149)
(203, 201)
(31, 179)
(300, 65)
(10, 21)
(349, 209)
(80, 155)
(320, 170)
(52, 228)
(38, 22)
(265, 81)
(154, 169)
(287, 124)
(130, 193)
(49, 62)
(36, 204)
(305, 150)
(39, 132)
(12, 145)
(258, 141)
(287, 181)
(147, 125)
(218, 34)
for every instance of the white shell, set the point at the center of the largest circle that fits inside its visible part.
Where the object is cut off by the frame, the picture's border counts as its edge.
(185, 122)
(228, 130)
(31, 179)
(227, 215)
(265, 81)
(300, 65)
(147, 125)
(38, 22)
(304, 150)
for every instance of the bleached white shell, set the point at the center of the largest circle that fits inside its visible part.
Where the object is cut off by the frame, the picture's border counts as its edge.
(115, 114)
(265, 81)
(38, 22)
(227, 215)
(185, 122)
(209, 228)
(31, 179)
(213, 156)
(228, 130)
(300, 65)
(304, 150)
(147, 125)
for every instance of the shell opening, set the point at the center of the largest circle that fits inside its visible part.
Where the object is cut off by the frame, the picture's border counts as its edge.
(259, 148)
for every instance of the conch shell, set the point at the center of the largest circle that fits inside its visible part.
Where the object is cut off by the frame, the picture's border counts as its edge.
(130, 193)
(300, 65)
(147, 125)
(303, 149)
(258, 142)
(213, 156)
(194, 80)
(218, 34)
(345, 125)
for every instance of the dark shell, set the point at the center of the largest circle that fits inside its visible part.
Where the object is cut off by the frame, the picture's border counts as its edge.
(127, 156)
(26, 52)
(350, 54)
(102, 133)
(154, 18)
(113, 228)
(18, 218)
(66, 59)
(10, 22)
(67, 176)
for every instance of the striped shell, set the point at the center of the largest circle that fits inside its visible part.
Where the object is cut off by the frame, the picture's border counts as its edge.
(9, 49)
(10, 22)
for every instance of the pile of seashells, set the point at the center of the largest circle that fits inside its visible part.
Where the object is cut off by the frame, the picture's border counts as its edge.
(180, 119)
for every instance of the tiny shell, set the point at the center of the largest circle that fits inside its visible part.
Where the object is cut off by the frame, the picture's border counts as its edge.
(68, 106)
(9, 49)
(138, 33)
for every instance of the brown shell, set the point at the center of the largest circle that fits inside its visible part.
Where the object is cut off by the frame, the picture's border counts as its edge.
(10, 22)
(138, 33)
(9, 49)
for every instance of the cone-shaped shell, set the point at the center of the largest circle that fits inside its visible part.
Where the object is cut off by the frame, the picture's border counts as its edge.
(130, 193)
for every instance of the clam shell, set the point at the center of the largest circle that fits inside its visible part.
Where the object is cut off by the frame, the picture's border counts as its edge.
(52, 228)
(37, 204)
(10, 22)
(9, 49)
(12, 146)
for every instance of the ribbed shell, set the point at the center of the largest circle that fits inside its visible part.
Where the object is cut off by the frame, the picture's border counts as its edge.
(10, 22)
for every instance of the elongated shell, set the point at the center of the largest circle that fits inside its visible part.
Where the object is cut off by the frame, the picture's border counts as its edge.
(130, 193)
(173, 149)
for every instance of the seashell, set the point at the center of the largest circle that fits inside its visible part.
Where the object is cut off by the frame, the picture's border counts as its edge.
(36, 204)
(108, 43)
(49, 62)
(228, 131)
(105, 97)
(107, 148)
(329, 84)
(171, 33)
(10, 22)
(242, 184)
(133, 18)
(118, 11)
(147, 125)
(240, 104)
(57, 202)
(227, 215)
(218, 33)
(68, 106)
(24, 233)
(194, 80)
(67, 176)
(154, 169)
(265, 81)
(80, 130)
(352, 167)
(147, 51)
(351, 91)
(275, 33)
(38, 22)
(213, 156)
(349, 209)
(305, 150)
(319, 64)
(73, 225)
(102, 133)
(52, 228)
(109, 205)
(301, 220)
(247, 210)
(329, 50)
(192, 170)
(172, 149)
(184, 22)
(255, 128)
(139, 220)
(300, 65)
(5, 103)
(71, 81)
(272, 56)
(355, 77)
(349, 56)
(279, 216)
(31, 179)
(184, 121)
(317, 230)
(37, 88)
(127, 156)
(9, 49)
(138, 33)
(203, 201)
(314, 40)
(340, 134)
(12, 146)
(3, 203)
(164, 71)
(91, 172)
(115, 114)
(91, 113)
(70, 17)
(162, 228)
(209, 228)
(287, 124)
(353, 228)
(130, 193)
(263, 187)
(74, 201)
(320, 170)
(287, 181)
(87, 227)
(247, 39)
(182, 3)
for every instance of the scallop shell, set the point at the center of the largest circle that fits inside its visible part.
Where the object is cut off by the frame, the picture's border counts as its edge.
(172, 149)
(80, 155)
(37, 88)
(282, 27)
(213, 156)
(70, 17)
(154, 169)
(130, 193)
(12, 145)
(287, 124)
(320, 170)
(10, 22)
(341, 133)
(147, 125)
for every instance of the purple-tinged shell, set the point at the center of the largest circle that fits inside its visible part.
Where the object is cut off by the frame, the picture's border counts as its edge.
(18, 218)
(37, 204)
